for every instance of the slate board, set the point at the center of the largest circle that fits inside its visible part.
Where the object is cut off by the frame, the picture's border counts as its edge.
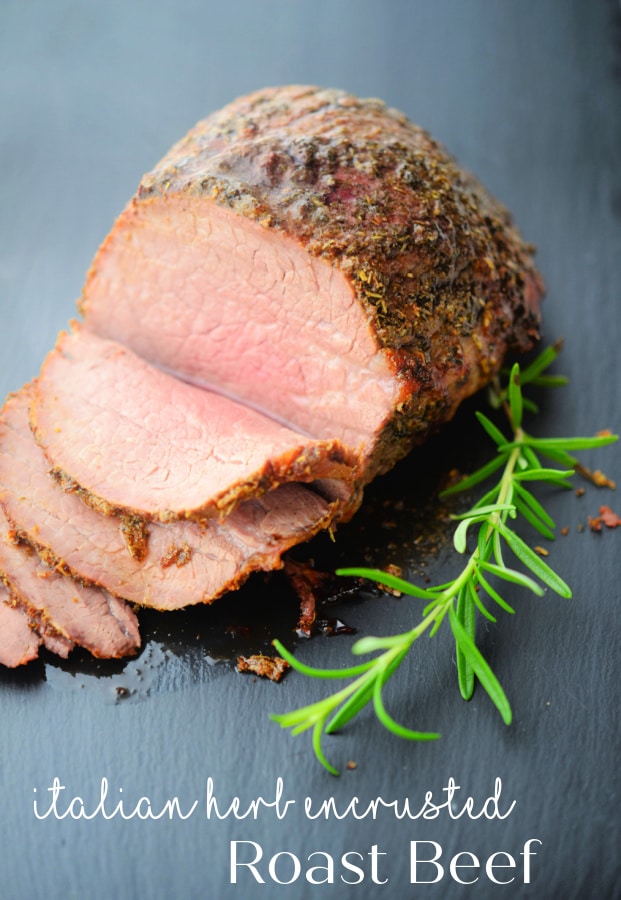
(528, 96)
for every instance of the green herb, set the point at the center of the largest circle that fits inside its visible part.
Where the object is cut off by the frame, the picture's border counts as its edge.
(478, 586)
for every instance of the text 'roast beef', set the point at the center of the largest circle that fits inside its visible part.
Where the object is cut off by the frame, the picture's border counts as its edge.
(301, 290)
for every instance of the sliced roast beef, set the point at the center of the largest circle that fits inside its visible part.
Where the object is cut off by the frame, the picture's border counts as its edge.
(51, 638)
(86, 616)
(321, 258)
(184, 562)
(19, 641)
(23, 631)
(142, 443)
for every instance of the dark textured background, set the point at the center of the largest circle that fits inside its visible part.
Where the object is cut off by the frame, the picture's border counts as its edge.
(526, 94)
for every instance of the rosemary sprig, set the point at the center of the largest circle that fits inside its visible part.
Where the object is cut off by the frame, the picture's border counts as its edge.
(478, 586)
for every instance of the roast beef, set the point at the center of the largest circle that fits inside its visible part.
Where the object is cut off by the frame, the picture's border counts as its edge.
(85, 616)
(19, 641)
(300, 291)
(323, 259)
(183, 563)
(23, 630)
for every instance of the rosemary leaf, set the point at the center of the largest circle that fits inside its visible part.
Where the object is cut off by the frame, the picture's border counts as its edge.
(532, 517)
(317, 732)
(465, 614)
(534, 504)
(351, 707)
(515, 398)
(514, 576)
(389, 723)
(534, 562)
(493, 593)
(495, 433)
(479, 605)
(385, 578)
(552, 476)
(481, 668)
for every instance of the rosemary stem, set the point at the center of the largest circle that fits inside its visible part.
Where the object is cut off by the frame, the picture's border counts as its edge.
(447, 597)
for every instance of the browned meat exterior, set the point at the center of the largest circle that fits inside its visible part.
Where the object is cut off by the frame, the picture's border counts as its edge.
(85, 616)
(183, 562)
(324, 259)
(139, 442)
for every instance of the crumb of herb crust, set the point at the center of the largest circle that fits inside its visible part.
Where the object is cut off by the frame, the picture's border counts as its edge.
(397, 571)
(597, 477)
(541, 551)
(565, 530)
(602, 480)
(272, 667)
(176, 555)
(606, 517)
(351, 764)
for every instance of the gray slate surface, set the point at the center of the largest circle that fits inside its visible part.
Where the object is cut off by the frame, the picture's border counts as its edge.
(528, 95)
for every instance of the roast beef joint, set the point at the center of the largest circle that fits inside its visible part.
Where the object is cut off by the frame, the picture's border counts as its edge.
(304, 288)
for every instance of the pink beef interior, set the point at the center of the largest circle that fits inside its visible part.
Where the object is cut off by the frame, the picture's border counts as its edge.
(225, 303)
